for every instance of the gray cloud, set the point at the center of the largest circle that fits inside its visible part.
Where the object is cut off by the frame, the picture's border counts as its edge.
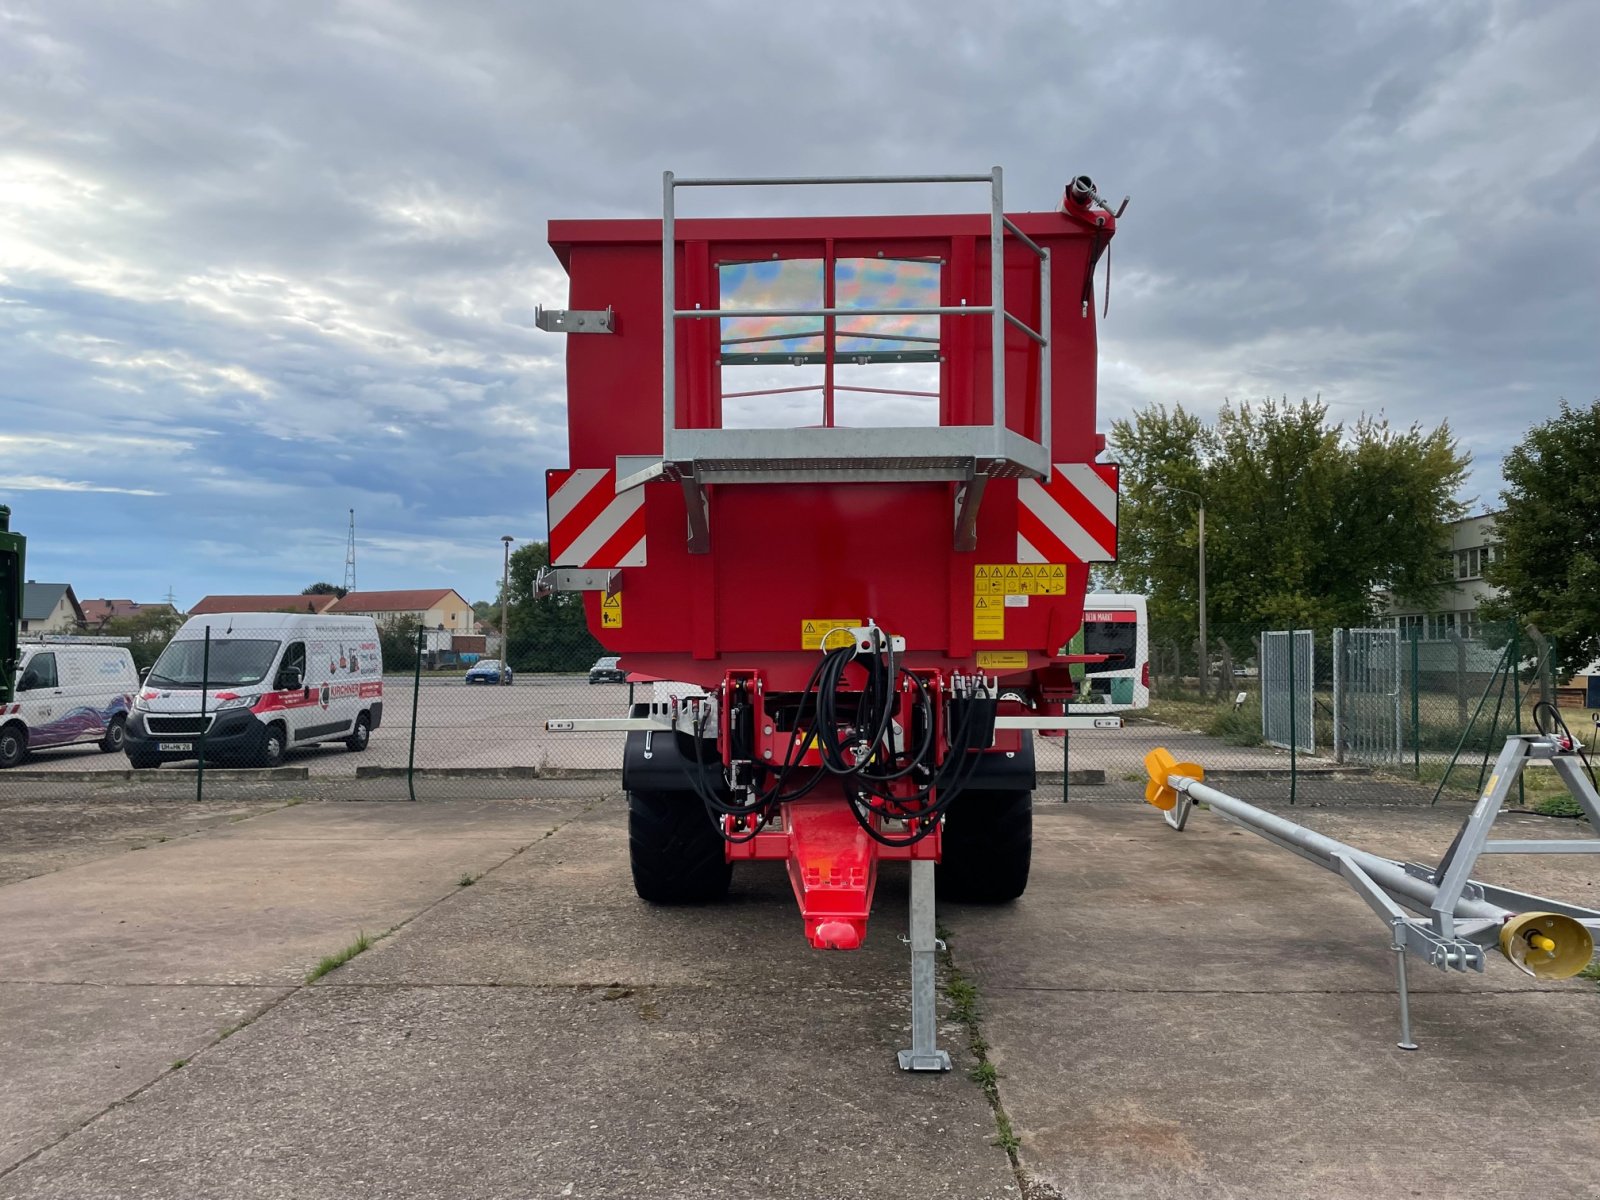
(289, 254)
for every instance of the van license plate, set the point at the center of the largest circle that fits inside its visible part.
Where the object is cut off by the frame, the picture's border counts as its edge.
(169, 747)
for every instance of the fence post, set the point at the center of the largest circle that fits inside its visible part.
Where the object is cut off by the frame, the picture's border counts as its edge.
(205, 682)
(1294, 737)
(1416, 705)
(1547, 691)
(1066, 761)
(1461, 675)
(416, 698)
(1339, 636)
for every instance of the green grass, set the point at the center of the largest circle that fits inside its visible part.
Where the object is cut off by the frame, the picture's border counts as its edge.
(963, 996)
(1559, 806)
(467, 879)
(1591, 972)
(333, 962)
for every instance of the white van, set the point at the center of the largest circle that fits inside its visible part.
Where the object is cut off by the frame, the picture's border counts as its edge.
(272, 682)
(68, 691)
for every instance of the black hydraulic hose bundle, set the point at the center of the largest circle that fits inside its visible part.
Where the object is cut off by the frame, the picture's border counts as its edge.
(866, 761)
(1547, 720)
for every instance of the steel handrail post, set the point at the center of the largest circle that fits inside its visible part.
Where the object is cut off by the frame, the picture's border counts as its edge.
(997, 302)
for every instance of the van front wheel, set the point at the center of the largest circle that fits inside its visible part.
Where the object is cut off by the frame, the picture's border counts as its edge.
(360, 735)
(270, 751)
(115, 733)
(13, 745)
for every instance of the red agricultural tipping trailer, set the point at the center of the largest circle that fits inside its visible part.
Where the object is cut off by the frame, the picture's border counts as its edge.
(837, 478)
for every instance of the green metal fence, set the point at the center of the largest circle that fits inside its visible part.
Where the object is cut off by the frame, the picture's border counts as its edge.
(1404, 720)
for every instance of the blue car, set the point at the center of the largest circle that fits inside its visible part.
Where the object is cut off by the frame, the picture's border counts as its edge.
(487, 670)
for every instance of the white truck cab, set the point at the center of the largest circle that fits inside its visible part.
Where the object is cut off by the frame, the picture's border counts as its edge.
(69, 690)
(247, 687)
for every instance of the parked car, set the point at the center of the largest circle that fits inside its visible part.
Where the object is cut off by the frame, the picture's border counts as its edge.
(487, 670)
(605, 670)
(270, 680)
(68, 691)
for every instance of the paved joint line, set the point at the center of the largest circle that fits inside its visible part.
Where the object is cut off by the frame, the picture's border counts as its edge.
(288, 991)
(143, 983)
(1372, 991)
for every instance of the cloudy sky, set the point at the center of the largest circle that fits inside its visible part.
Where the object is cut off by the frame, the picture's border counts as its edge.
(261, 263)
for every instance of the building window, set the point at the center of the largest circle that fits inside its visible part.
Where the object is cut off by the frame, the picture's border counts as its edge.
(1470, 562)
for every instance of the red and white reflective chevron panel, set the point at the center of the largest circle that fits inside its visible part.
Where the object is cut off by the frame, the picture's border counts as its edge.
(591, 525)
(1070, 517)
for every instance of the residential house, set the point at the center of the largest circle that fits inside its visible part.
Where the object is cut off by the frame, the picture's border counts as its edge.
(50, 608)
(432, 608)
(96, 613)
(232, 604)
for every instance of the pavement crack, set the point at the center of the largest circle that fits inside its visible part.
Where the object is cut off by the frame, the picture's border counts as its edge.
(963, 995)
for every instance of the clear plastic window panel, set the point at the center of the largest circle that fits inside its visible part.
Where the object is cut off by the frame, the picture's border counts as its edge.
(775, 370)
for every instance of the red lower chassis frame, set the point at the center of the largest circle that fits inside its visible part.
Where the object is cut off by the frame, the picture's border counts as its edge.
(832, 861)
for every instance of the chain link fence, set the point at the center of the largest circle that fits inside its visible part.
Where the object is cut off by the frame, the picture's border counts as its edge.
(1303, 716)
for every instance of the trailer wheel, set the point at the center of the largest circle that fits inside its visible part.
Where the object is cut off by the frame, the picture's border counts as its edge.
(988, 846)
(675, 850)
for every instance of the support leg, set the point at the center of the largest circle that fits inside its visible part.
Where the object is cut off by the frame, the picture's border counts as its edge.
(924, 1054)
(1399, 948)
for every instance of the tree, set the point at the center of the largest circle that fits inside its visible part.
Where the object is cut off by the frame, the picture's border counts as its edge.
(1307, 522)
(148, 632)
(397, 639)
(1547, 566)
(324, 589)
(550, 633)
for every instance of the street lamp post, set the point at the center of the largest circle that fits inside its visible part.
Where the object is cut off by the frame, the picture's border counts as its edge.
(505, 602)
(1205, 652)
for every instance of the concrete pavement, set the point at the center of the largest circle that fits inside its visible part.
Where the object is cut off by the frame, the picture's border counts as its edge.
(1171, 1015)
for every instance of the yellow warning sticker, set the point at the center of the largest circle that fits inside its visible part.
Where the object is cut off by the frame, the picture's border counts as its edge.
(988, 618)
(826, 633)
(611, 611)
(1019, 579)
(1000, 660)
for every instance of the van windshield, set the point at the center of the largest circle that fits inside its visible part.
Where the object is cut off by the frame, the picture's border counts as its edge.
(234, 662)
(1118, 639)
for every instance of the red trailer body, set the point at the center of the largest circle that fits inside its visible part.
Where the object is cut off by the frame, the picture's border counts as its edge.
(786, 554)
(937, 567)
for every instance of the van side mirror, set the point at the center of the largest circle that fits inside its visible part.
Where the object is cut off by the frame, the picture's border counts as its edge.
(288, 679)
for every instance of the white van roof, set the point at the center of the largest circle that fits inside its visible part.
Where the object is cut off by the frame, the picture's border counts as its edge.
(281, 624)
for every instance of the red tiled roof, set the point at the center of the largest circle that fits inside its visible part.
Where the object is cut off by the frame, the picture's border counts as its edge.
(98, 611)
(234, 604)
(418, 600)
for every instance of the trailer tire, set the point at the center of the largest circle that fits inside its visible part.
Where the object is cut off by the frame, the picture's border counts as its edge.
(674, 849)
(988, 847)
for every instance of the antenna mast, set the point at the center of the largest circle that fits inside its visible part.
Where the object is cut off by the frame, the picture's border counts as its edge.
(350, 556)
